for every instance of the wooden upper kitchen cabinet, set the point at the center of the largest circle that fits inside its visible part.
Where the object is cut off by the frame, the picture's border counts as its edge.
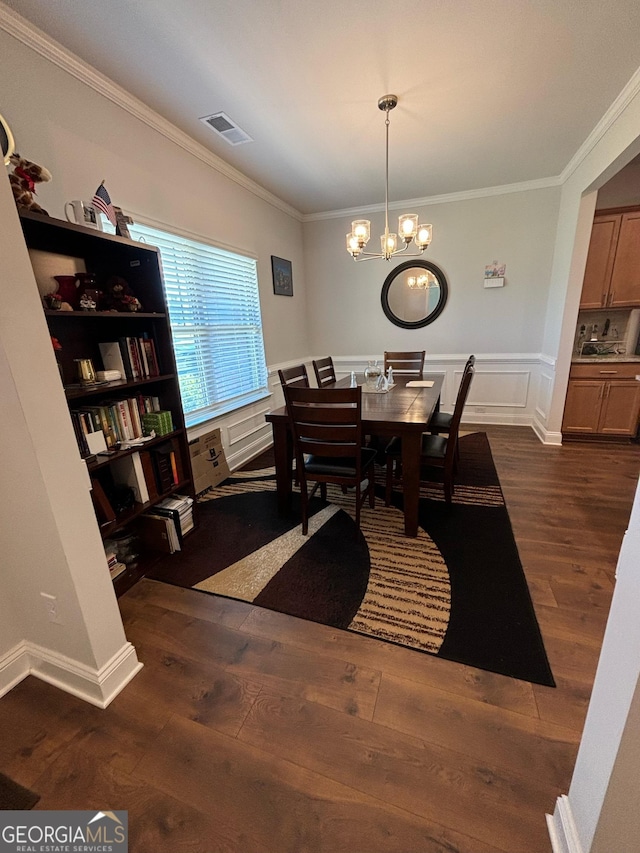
(612, 273)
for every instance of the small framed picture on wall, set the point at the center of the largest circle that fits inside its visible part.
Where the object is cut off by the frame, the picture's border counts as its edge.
(282, 276)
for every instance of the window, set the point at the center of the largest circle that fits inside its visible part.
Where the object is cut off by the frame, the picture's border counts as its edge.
(214, 310)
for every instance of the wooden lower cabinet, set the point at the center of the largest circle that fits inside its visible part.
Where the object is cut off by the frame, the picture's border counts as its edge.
(619, 412)
(598, 406)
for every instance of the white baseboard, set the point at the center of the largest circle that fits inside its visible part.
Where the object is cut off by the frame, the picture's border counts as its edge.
(545, 435)
(562, 828)
(14, 666)
(98, 687)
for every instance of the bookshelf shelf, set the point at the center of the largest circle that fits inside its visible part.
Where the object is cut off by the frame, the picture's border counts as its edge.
(76, 392)
(137, 509)
(83, 316)
(114, 412)
(103, 462)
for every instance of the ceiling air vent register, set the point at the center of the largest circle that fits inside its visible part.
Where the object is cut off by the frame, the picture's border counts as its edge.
(224, 127)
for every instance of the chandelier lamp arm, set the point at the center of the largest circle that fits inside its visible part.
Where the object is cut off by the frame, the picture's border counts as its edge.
(408, 228)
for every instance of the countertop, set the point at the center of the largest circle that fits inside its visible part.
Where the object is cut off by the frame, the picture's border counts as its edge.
(587, 359)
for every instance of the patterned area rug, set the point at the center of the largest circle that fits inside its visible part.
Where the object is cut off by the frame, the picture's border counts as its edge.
(14, 797)
(457, 590)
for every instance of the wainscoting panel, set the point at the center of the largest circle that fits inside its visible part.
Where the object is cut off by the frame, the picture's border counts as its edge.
(507, 389)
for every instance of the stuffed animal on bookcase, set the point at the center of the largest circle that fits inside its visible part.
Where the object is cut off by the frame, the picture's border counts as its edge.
(23, 182)
(118, 295)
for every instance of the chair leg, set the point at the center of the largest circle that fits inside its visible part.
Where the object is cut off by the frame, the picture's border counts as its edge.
(304, 505)
(323, 491)
(389, 484)
(371, 476)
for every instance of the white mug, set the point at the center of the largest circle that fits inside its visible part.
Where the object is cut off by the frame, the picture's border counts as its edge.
(83, 213)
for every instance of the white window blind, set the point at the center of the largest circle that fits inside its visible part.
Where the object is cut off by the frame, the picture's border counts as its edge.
(214, 310)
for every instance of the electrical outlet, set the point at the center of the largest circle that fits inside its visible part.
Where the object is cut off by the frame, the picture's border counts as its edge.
(51, 606)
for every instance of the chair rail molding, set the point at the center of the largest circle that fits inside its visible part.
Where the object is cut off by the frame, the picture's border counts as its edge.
(508, 389)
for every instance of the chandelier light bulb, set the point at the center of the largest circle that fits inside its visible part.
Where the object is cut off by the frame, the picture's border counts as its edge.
(423, 236)
(361, 229)
(388, 243)
(408, 226)
(353, 246)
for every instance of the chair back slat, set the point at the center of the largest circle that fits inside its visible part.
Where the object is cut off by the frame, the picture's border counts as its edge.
(324, 370)
(296, 375)
(324, 420)
(405, 363)
(326, 424)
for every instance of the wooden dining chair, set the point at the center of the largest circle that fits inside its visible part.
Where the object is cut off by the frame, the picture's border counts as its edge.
(441, 421)
(326, 424)
(405, 363)
(324, 370)
(436, 451)
(296, 375)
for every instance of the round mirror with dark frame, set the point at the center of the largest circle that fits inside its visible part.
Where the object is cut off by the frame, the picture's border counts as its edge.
(414, 294)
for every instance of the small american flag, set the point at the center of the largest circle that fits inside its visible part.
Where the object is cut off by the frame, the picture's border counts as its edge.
(102, 201)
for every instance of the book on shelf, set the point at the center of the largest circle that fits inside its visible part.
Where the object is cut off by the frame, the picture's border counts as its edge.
(183, 505)
(103, 509)
(134, 357)
(161, 519)
(116, 570)
(129, 471)
(155, 534)
(149, 474)
(112, 357)
(162, 463)
(148, 348)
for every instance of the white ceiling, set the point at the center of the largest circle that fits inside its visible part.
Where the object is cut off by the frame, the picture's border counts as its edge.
(492, 92)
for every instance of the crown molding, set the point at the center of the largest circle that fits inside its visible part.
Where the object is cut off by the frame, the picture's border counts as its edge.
(446, 198)
(608, 119)
(22, 30)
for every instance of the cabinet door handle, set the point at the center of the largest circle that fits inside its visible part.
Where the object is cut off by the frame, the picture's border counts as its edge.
(606, 390)
(601, 392)
(611, 295)
(609, 372)
(603, 300)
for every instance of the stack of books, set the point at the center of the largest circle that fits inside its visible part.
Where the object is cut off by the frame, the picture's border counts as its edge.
(115, 568)
(134, 358)
(183, 505)
(119, 420)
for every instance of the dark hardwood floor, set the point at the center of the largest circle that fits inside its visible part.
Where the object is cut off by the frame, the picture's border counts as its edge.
(248, 730)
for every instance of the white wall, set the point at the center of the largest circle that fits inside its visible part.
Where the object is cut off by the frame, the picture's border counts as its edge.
(600, 813)
(623, 190)
(83, 137)
(515, 228)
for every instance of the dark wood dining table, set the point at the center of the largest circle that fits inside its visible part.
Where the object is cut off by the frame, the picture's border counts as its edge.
(403, 411)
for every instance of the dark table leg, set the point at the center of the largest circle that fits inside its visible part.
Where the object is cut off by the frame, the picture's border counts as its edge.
(283, 454)
(411, 442)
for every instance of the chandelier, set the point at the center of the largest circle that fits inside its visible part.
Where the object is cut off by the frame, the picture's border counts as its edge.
(408, 227)
(420, 282)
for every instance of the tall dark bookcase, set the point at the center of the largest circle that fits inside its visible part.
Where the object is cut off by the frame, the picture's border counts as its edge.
(80, 333)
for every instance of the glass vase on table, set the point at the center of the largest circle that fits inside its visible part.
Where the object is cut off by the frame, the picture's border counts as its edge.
(372, 373)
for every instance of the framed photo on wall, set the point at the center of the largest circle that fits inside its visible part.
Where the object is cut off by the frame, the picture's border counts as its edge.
(282, 276)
